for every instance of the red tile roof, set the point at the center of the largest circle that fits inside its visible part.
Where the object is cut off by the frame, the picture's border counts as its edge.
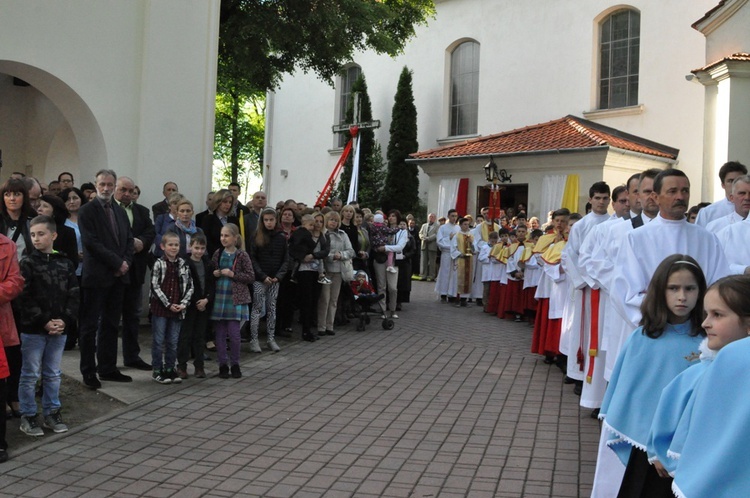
(739, 56)
(565, 134)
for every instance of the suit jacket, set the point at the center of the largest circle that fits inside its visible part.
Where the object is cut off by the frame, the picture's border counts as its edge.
(428, 235)
(637, 221)
(142, 229)
(103, 254)
(160, 207)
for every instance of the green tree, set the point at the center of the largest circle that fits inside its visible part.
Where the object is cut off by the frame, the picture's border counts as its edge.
(238, 134)
(366, 147)
(261, 40)
(401, 190)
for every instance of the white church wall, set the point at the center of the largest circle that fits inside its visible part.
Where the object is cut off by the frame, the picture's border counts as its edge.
(731, 36)
(537, 63)
(134, 79)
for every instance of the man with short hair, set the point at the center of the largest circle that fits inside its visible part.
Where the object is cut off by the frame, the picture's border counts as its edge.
(620, 203)
(633, 198)
(586, 292)
(669, 233)
(144, 233)
(445, 284)
(66, 180)
(740, 197)
(727, 174)
(199, 217)
(336, 204)
(257, 204)
(54, 188)
(107, 257)
(162, 207)
(235, 189)
(35, 191)
(428, 236)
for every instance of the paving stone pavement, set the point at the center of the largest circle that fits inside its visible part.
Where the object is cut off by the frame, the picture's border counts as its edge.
(448, 403)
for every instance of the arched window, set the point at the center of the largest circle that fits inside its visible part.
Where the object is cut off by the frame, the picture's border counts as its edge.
(464, 96)
(346, 79)
(619, 44)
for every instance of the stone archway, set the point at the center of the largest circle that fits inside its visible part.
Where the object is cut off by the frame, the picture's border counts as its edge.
(50, 133)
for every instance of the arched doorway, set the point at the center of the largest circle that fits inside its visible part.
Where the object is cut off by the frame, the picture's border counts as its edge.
(47, 126)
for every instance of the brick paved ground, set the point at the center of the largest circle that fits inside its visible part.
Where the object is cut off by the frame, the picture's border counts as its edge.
(448, 403)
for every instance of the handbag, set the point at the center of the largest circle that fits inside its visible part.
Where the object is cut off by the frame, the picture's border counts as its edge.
(347, 270)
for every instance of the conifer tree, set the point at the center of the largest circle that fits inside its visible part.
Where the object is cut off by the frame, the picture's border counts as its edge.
(401, 190)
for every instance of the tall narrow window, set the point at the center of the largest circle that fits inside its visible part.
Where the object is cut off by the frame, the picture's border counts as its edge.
(464, 97)
(619, 44)
(347, 78)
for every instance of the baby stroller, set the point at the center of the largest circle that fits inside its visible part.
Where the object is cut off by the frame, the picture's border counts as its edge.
(364, 298)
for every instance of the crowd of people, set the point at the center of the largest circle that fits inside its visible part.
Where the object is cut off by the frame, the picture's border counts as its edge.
(624, 304)
(75, 262)
(616, 301)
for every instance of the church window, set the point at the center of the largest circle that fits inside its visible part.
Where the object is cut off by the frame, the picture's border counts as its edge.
(464, 90)
(619, 44)
(346, 79)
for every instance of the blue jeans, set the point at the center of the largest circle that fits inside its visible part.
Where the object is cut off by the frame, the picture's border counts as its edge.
(166, 335)
(42, 355)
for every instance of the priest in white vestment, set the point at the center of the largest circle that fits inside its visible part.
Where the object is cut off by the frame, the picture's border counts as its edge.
(727, 174)
(445, 284)
(740, 197)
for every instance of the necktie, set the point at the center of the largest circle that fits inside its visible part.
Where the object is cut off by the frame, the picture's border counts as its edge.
(111, 217)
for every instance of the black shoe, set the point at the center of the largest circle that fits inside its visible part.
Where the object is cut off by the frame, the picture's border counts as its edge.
(91, 381)
(578, 389)
(480, 302)
(595, 413)
(549, 360)
(398, 307)
(3, 456)
(329, 332)
(236, 373)
(116, 376)
(569, 380)
(223, 372)
(287, 332)
(139, 365)
(307, 336)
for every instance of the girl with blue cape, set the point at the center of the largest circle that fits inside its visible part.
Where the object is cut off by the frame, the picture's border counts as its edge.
(727, 312)
(663, 346)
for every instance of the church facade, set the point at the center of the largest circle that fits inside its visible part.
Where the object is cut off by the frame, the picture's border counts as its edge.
(124, 85)
(484, 67)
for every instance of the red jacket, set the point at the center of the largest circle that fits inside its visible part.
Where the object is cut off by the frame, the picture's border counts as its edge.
(11, 285)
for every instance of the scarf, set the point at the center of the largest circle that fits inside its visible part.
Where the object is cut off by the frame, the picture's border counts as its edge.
(190, 229)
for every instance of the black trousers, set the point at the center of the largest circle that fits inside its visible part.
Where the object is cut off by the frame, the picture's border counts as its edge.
(100, 316)
(641, 479)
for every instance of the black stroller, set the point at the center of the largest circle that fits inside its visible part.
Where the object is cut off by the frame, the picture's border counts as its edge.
(364, 302)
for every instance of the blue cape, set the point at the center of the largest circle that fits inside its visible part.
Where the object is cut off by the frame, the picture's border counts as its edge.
(715, 458)
(644, 367)
(672, 403)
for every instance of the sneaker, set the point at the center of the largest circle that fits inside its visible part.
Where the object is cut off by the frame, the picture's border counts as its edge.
(236, 373)
(172, 375)
(323, 280)
(30, 427)
(161, 377)
(223, 372)
(255, 346)
(394, 316)
(391, 269)
(273, 346)
(54, 422)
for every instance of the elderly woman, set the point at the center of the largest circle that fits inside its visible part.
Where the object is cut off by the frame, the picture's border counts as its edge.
(339, 256)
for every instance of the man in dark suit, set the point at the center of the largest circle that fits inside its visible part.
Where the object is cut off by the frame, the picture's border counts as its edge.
(199, 217)
(107, 257)
(162, 206)
(143, 232)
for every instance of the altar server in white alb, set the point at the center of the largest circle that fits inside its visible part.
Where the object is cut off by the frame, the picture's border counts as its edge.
(740, 197)
(669, 233)
(734, 239)
(727, 174)
(583, 320)
(445, 285)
